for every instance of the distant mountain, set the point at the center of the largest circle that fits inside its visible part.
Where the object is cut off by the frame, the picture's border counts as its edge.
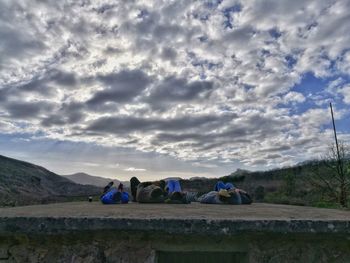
(198, 178)
(87, 179)
(23, 183)
(172, 178)
(240, 172)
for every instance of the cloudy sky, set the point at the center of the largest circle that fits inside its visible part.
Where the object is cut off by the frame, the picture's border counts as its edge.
(172, 88)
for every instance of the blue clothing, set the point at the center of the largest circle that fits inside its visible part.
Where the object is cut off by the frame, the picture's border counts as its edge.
(173, 186)
(213, 198)
(210, 198)
(125, 198)
(113, 196)
(221, 185)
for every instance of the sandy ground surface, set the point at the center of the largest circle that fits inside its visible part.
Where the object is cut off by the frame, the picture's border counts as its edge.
(259, 211)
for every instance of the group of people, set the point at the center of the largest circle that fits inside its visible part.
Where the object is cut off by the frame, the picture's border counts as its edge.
(170, 192)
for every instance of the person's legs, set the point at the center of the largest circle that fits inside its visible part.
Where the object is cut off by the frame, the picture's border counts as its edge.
(107, 187)
(134, 182)
(169, 187)
(229, 186)
(177, 186)
(162, 184)
(219, 185)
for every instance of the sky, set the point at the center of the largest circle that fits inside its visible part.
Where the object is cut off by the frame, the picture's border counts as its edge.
(179, 88)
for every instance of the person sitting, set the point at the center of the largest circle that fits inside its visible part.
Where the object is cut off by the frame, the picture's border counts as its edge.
(112, 195)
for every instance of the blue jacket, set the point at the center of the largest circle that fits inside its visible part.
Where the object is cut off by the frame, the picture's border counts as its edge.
(113, 196)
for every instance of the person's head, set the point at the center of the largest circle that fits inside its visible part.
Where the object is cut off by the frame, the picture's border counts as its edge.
(224, 195)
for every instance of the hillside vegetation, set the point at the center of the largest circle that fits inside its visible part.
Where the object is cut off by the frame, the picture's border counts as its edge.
(23, 183)
(291, 185)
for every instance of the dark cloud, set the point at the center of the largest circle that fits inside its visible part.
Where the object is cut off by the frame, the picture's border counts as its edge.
(273, 156)
(175, 90)
(168, 53)
(170, 137)
(278, 148)
(111, 50)
(16, 43)
(4, 93)
(62, 78)
(231, 131)
(69, 113)
(28, 110)
(167, 32)
(44, 84)
(123, 86)
(124, 124)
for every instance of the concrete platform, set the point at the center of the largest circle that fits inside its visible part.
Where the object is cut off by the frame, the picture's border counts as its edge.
(191, 219)
(92, 232)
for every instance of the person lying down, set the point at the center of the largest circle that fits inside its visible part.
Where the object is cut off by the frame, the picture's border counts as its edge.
(225, 194)
(171, 192)
(113, 195)
(158, 192)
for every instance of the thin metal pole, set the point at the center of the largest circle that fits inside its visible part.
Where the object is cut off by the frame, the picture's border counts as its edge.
(340, 164)
(335, 132)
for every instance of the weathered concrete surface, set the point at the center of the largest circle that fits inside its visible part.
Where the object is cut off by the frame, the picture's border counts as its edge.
(135, 233)
(182, 219)
(259, 211)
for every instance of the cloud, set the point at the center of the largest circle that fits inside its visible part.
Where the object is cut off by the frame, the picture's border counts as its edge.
(123, 86)
(218, 81)
(178, 90)
(126, 124)
(28, 110)
(133, 169)
(294, 97)
(68, 113)
(345, 91)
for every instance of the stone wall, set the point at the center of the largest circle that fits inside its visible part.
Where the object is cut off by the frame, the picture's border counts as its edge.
(137, 247)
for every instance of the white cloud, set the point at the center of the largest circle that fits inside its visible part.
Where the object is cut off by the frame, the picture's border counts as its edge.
(133, 169)
(294, 97)
(345, 91)
(187, 79)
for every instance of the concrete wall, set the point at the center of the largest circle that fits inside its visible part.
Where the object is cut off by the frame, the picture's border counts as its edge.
(146, 247)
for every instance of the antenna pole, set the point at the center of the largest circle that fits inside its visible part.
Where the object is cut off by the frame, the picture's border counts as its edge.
(340, 164)
(335, 132)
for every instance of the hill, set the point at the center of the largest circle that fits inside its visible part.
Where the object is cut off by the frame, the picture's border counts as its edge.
(23, 183)
(87, 179)
(289, 185)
